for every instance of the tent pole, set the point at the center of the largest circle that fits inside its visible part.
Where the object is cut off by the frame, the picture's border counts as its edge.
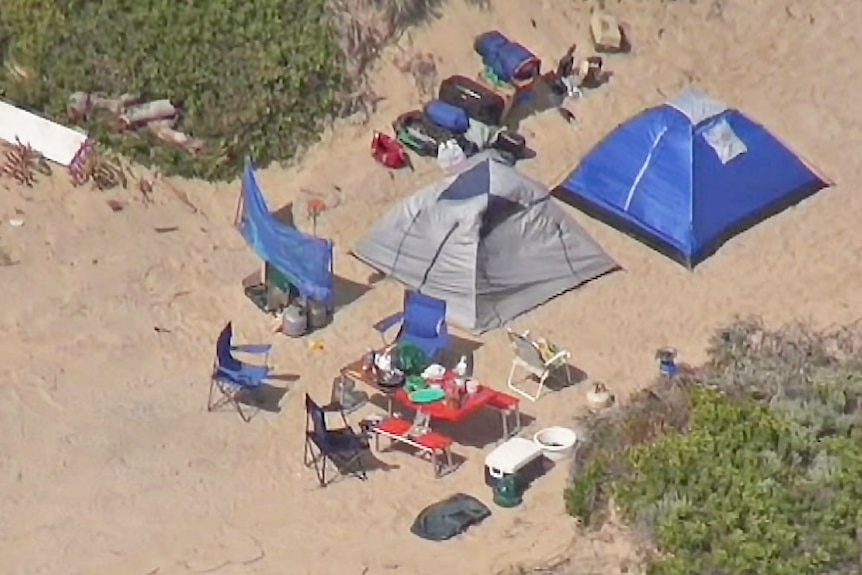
(239, 203)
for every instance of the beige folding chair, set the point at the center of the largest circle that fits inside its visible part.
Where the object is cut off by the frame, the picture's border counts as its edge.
(528, 357)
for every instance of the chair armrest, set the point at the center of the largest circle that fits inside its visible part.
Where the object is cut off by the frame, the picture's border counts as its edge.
(238, 376)
(336, 407)
(557, 357)
(259, 349)
(388, 323)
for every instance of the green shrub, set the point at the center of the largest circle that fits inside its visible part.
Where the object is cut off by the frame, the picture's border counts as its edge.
(765, 476)
(256, 78)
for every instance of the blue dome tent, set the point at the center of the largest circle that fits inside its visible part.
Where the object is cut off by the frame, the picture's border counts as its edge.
(686, 176)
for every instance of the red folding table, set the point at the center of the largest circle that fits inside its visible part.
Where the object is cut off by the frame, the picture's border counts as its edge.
(444, 409)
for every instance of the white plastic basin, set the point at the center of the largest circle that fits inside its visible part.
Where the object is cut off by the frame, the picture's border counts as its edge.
(556, 442)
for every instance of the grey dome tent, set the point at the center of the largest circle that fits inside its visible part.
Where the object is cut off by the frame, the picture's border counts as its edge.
(488, 240)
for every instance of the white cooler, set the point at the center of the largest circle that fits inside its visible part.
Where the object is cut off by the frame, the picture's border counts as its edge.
(517, 456)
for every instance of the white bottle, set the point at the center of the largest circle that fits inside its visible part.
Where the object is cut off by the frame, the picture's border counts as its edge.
(461, 368)
(461, 372)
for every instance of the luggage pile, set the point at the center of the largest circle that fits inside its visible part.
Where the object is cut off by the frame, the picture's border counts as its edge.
(467, 112)
(464, 111)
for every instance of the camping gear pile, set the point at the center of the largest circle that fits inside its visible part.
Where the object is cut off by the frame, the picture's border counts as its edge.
(468, 116)
(297, 286)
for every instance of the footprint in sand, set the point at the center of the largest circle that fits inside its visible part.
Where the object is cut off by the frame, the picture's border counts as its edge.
(32, 398)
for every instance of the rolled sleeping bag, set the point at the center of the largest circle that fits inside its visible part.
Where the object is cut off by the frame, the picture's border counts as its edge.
(489, 43)
(447, 116)
(516, 63)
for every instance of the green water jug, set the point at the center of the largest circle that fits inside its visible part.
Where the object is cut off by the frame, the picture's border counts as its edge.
(411, 360)
(507, 492)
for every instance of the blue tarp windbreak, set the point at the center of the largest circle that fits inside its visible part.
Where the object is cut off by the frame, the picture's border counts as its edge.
(686, 176)
(305, 260)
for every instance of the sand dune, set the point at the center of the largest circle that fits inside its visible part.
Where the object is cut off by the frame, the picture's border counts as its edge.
(109, 462)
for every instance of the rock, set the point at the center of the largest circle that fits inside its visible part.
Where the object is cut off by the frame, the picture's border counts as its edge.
(606, 32)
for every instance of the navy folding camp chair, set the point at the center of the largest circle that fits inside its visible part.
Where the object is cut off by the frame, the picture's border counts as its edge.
(343, 446)
(423, 323)
(232, 377)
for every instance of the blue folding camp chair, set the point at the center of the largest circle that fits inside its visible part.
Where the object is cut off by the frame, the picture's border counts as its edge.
(423, 324)
(233, 377)
(343, 446)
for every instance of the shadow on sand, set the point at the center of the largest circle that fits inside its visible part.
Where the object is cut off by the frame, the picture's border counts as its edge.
(267, 397)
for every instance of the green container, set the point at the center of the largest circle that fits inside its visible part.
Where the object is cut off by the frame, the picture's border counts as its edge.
(507, 492)
(415, 383)
(411, 359)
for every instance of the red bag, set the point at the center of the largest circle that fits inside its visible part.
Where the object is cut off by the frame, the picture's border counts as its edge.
(388, 151)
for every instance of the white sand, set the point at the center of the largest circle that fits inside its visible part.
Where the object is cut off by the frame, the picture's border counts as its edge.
(109, 462)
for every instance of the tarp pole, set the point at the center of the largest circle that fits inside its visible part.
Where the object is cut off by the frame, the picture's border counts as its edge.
(239, 203)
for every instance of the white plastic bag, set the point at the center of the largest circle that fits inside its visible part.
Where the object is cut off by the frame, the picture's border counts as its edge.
(450, 156)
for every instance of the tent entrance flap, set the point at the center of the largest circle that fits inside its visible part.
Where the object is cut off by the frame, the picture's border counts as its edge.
(304, 260)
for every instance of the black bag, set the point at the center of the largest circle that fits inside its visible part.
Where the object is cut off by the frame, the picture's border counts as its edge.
(418, 133)
(450, 517)
(481, 103)
(511, 143)
(412, 130)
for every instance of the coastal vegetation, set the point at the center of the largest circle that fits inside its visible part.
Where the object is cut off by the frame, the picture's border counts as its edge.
(751, 464)
(260, 78)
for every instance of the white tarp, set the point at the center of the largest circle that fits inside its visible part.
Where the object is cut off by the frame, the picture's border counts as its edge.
(55, 142)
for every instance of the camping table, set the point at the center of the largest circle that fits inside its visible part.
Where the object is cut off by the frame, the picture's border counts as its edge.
(354, 371)
(444, 410)
(440, 410)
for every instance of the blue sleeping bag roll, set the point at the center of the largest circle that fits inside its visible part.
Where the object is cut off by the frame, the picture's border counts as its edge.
(488, 44)
(447, 116)
(510, 61)
(514, 61)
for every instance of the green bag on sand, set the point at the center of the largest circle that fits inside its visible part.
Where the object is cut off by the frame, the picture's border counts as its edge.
(411, 359)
